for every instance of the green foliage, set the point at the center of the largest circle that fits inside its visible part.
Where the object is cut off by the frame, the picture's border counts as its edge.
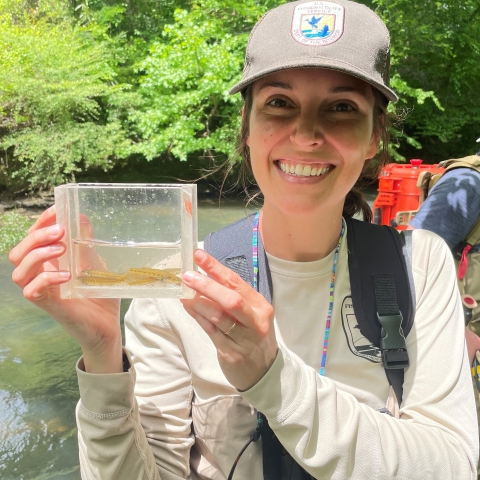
(435, 58)
(89, 85)
(143, 19)
(188, 72)
(60, 107)
(186, 77)
(13, 228)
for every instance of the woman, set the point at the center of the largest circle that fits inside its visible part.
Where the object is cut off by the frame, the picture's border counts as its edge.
(182, 399)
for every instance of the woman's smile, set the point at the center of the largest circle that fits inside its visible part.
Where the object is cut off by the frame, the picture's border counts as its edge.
(303, 170)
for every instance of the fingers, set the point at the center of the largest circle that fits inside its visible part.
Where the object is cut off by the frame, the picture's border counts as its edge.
(202, 308)
(86, 230)
(226, 277)
(39, 290)
(230, 292)
(223, 343)
(37, 260)
(38, 237)
(227, 300)
(37, 252)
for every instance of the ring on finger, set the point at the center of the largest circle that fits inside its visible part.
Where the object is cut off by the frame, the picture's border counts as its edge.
(230, 330)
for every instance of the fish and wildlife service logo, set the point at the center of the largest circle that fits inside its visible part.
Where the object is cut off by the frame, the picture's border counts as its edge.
(318, 23)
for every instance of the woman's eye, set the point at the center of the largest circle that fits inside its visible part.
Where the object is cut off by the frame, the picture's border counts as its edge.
(278, 103)
(343, 107)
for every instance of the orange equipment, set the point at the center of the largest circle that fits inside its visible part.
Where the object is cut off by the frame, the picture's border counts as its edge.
(399, 192)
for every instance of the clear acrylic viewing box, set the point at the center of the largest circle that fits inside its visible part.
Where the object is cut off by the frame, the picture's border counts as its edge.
(127, 240)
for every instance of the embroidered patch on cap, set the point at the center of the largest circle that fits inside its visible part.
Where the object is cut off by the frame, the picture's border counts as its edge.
(317, 23)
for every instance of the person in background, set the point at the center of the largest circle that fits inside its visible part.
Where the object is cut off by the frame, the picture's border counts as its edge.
(181, 399)
(451, 210)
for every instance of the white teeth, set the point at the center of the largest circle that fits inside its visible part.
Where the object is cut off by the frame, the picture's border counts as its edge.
(302, 171)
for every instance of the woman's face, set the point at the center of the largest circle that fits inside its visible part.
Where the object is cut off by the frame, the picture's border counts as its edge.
(310, 132)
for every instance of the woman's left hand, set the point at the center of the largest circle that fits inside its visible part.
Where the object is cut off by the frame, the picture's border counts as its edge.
(223, 300)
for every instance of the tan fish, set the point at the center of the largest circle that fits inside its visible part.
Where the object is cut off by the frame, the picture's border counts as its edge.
(173, 271)
(140, 280)
(134, 276)
(150, 272)
(153, 272)
(102, 274)
(157, 273)
(175, 280)
(100, 281)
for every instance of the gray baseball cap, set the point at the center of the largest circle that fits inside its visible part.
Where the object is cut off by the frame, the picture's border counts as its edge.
(339, 35)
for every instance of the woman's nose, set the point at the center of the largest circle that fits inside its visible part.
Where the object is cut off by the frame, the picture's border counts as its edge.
(307, 131)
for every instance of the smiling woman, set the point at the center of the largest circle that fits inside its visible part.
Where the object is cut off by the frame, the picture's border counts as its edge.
(302, 120)
(331, 115)
(270, 346)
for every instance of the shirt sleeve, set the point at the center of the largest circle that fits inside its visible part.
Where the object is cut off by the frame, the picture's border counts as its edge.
(452, 207)
(333, 435)
(138, 428)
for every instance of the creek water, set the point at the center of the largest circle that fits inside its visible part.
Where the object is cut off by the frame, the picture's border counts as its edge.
(38, 385)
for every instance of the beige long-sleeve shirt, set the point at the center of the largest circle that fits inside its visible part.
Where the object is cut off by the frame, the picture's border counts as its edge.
(175, 416)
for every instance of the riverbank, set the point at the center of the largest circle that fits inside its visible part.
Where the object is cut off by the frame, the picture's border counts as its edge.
(30, 206)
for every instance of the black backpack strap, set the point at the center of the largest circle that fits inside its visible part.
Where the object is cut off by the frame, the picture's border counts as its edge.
(396, 377)
(271, 451)
(381, 293)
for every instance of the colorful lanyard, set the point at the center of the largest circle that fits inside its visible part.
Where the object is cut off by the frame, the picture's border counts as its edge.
(332, 282)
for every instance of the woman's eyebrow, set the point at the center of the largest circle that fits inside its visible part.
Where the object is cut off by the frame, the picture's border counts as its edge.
(345, 88)
(340, 89)
(284, 85)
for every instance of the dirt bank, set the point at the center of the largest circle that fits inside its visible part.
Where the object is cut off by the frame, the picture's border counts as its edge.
(31, 207)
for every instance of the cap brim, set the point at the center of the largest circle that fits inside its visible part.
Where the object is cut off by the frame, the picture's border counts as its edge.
(317, 63)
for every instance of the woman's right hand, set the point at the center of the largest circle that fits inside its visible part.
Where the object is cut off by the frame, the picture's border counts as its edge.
(94, 323)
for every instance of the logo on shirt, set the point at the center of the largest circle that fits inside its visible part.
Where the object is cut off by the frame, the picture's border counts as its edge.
(357, 343)
(318, 23)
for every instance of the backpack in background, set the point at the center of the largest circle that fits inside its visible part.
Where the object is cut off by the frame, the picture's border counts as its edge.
(467, 262)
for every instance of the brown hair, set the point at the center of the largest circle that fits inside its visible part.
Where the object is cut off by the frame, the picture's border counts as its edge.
(355, 201)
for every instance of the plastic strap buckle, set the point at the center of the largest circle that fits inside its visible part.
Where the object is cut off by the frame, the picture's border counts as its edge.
(392, 343)
(476, 370)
